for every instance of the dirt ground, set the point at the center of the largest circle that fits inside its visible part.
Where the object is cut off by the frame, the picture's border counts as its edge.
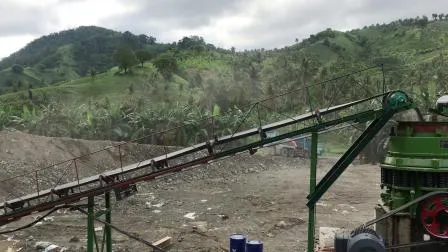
(261, 196)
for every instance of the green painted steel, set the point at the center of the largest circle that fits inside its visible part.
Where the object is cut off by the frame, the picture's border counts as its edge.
(312, 208)
(415, 164)
(393, 103)
(107, 228)
(396, 100)
(107, 233)
(90, 224)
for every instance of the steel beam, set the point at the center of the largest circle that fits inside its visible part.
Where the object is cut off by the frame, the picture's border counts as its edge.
(348, 157)
(107, 228)
(90, 224)
(312, 208)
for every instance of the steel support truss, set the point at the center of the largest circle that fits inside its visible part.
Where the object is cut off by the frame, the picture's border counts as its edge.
(92, 239)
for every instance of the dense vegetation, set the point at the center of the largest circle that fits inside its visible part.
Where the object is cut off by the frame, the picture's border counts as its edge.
(121, 86)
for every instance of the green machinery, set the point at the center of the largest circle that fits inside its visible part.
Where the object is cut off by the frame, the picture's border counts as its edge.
(416, 164)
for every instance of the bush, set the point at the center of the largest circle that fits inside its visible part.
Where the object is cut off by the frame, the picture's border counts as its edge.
(17, 69)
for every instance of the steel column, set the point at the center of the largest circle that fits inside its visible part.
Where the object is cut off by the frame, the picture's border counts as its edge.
(312, 207)
(327, 181)
(107, 228)
(90, 224)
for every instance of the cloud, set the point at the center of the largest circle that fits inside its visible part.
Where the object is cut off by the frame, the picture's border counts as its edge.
(166, 19)
(261, 23)
(25, 17)
(181, 13)
(12, 44)
(244, 24)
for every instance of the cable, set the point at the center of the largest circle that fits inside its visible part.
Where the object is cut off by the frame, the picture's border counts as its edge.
(149, 244)
(35, 221)
(77, 207)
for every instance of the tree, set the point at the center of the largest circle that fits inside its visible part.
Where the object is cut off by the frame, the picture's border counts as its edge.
(143, 56)
(166, 64)
(131, 40)
(17, 69)
(423, 22)
(92, 73)
(151, 40)
(143, 39)
(434, 16)
(441, 15)
(125, 57)
(188, 42)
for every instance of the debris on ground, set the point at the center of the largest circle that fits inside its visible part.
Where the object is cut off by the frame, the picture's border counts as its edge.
(260, 195)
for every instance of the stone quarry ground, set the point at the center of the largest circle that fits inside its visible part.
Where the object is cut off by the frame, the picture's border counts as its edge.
(263, 196)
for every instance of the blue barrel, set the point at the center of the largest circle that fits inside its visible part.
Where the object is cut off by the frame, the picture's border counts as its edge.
(237, 243)
(254, 246)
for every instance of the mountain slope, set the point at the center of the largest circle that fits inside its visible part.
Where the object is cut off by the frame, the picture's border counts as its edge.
(188, 80)
(72, 53)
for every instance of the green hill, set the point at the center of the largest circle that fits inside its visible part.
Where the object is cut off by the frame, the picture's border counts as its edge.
(187, 80)
(72, 53)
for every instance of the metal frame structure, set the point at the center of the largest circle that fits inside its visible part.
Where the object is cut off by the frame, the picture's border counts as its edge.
(92, 241)
(320, 120)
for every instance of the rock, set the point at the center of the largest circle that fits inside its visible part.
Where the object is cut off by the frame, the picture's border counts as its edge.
(190, 216)
(31, 238)
(270, 235)
(159, 205)
(42, 244)
(281, 224)
(74, 239)
(52, 248)
(200, 226)
(326, 236)
(321, 204)
(252, 170)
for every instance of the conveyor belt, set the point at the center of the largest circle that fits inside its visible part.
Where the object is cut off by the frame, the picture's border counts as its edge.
(153, 168)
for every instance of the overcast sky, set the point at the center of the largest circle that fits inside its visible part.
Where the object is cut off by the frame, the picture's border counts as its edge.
(244, 24)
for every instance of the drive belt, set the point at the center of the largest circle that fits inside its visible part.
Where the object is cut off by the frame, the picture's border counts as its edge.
(401, 208)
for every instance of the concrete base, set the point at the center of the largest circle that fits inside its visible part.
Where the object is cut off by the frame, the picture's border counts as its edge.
(326, 236)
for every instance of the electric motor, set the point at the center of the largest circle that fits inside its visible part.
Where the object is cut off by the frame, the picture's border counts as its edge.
(359, 240)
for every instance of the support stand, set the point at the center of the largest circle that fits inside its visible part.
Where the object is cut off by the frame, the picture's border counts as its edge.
(312, 207)
(92, 241)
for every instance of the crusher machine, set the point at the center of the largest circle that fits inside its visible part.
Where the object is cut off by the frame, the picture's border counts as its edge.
(415, 165)
(412, 215)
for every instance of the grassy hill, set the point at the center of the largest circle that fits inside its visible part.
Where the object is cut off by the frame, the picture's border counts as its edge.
(69, 54)
(188, 80)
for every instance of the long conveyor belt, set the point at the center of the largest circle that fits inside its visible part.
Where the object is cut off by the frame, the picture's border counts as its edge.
(188, 157)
